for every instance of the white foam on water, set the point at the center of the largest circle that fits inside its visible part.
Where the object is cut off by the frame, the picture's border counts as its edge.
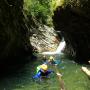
(58, 50)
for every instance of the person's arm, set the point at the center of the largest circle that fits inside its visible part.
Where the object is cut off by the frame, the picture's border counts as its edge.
(37, 75)
(50, 71)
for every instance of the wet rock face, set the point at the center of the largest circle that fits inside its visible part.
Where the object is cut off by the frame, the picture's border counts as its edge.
(13, 32)
(75, 28)
(44, 39)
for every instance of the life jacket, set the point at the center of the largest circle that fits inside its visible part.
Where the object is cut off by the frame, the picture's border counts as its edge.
(43, 67)
(43, 73)
(38, 68)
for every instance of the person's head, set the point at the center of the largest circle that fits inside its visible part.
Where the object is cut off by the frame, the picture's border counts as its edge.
(51, 58)
(44, 67)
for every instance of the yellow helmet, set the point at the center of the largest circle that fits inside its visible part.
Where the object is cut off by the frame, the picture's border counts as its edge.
(51, 58)
(44, 67)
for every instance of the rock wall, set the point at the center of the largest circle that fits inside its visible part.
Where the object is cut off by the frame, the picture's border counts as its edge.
(14, 38)
(75, 27)
(44, 39)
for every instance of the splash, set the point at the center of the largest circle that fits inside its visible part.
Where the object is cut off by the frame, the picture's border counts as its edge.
(61, 47)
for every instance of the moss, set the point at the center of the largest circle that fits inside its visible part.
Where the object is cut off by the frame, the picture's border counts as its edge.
(41, 10)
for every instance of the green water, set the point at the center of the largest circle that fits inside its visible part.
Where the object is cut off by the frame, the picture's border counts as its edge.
(73, 77)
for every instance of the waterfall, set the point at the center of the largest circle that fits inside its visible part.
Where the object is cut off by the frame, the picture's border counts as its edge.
(61, 47)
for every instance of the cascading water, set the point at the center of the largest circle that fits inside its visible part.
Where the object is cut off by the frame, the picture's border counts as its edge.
(61, 47)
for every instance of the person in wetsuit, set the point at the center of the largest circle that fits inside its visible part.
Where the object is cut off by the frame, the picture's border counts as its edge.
(42, 72)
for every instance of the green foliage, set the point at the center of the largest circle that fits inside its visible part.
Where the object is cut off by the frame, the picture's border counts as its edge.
(78, 3)
(81, 5)
(42, 10)
(39, 9)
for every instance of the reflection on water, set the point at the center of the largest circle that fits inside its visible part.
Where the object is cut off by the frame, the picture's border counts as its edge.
(73, 77)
